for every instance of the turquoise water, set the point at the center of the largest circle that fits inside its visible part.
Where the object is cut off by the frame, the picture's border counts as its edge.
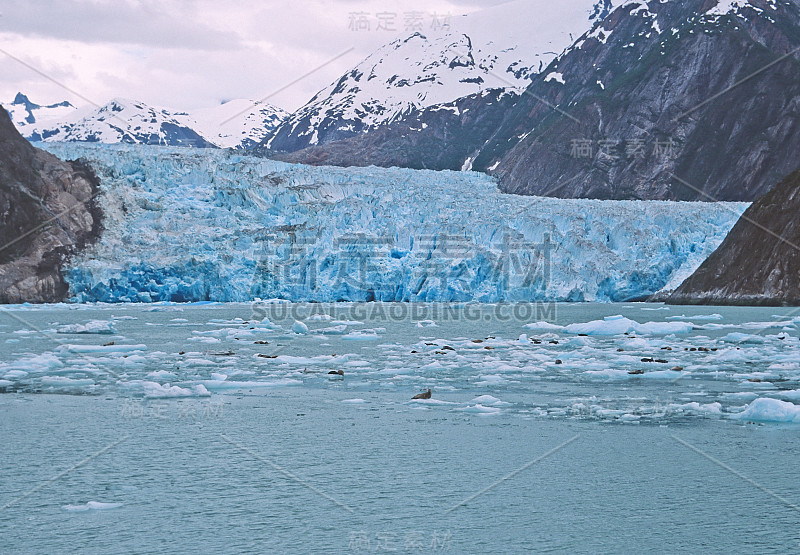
(118, 449)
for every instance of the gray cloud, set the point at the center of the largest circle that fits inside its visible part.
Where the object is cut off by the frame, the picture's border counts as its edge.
(166, 24)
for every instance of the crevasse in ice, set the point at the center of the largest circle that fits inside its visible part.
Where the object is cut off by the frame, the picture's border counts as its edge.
(196, 224)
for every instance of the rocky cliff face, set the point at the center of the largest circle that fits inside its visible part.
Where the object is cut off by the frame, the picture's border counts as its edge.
(47, 213)
(639, 115)
(759, 260)
(662, 99)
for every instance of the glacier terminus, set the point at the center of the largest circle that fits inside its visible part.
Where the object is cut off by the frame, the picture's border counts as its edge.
(211, 225)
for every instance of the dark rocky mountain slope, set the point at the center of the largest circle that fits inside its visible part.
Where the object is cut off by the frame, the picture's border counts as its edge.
(47, 212)
(678, 100)
(759, 260)
(440, 137)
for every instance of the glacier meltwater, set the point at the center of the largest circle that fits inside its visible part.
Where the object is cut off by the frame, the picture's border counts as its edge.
(214, 225)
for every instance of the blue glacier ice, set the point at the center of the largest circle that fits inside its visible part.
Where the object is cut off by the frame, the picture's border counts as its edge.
(211, 225)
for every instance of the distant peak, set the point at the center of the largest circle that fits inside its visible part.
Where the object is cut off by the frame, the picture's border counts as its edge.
(23, 100)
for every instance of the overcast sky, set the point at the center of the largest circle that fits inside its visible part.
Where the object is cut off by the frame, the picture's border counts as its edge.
(187, 54)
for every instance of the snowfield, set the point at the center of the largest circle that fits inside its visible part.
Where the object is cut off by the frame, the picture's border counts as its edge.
(202, 224)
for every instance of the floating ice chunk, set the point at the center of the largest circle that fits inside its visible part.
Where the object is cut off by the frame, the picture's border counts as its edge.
(610, 373)
(745, 396)
(332, 330)
(101, 327)
(770, 410)
(309, 361)
(492, 379)
(543, 326)
(33, 364)
(427, 324)
(62, 381)
(153, 390)
(610, 325)
(216, 385)
(488, 400)
(266, 323)
(6, 383)
(481, 409)
(319, 317)
(101, 349)
(12, 374)
(92, 506)
(354, 401)
(162, 375)
(431, 402)
(696, 408)
(207, 340)
(361, 335)
(618, 325)
(696, 317)
(737, 337)
(792, 394)
(218, 377)
(299, 327)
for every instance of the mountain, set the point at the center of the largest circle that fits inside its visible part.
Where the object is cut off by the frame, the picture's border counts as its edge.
(234, 124)
(759, 261)
(503, 46)
(48, 214)
(123, 121)
(27, 115)
(237, 123)
(682, 100)
(439, 137)
(665, 99)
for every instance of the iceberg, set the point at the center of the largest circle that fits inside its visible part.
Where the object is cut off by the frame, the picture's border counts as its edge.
(618, 325)
(100, 327)
(765, 409)
(193, 225)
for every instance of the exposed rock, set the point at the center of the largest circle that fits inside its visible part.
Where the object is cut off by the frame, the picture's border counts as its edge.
(645, 77)
(759, 261)
(641, 89)
(47, 212)
(441, 137)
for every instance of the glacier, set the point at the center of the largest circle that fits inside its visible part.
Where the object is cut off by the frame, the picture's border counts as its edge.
(188, 225)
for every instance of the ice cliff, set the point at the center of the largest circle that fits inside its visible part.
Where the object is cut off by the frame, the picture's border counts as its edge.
(201, 224)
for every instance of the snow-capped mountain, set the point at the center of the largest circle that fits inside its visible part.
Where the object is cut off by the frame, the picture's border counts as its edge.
(235, 124)
(122, 121)
(28, 115)
(675, 99)
(631, 104)
(499, 47)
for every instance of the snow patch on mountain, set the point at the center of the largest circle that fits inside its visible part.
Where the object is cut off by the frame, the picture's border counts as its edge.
(237, 123)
